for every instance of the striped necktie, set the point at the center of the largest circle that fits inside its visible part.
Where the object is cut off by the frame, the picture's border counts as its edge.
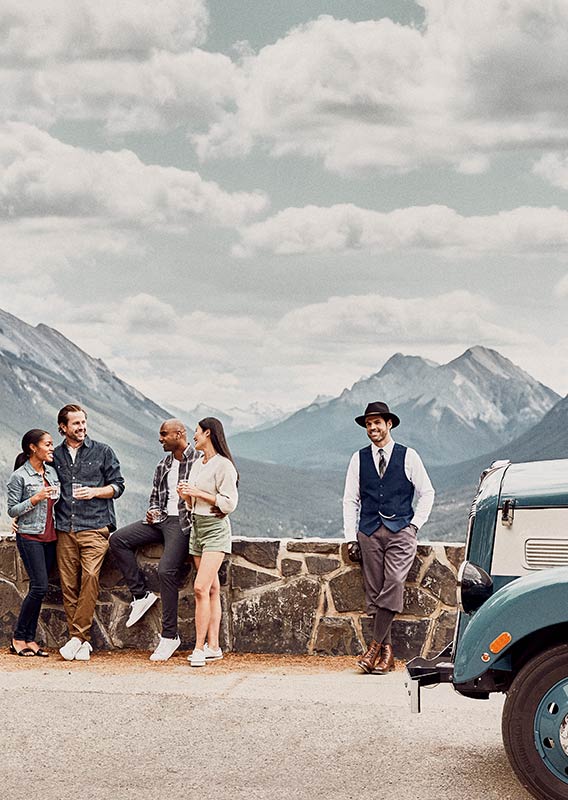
(382, 462)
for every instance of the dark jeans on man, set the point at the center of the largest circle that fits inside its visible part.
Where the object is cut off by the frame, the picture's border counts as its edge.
(123, 544)
(38, 559)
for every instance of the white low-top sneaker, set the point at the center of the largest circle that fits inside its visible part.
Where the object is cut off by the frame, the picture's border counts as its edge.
(139, 607)
(212, 654)
(165, 648)
(84, 652)
(197, 658)
(71, 648)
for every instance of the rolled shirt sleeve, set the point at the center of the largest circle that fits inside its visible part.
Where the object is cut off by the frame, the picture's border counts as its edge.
(111, 472)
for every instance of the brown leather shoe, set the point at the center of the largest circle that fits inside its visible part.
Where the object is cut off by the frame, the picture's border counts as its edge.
(367, 662)
(386, 664)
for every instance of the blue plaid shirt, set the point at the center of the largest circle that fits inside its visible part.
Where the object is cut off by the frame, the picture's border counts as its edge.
(159, 493)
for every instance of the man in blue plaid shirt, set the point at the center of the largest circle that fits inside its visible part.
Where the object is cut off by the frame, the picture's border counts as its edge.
(167, 522)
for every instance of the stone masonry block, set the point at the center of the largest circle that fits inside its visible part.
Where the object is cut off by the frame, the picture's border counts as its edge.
(455, 555)
(443, 632)
(290, 566)
(244, 578)
(305, 546)
(336, 637)
(408, 637)
(417, 603)
(320, 566)
(278, 620)
(262, 553)
(347, 591)
(441, 582)
(8, 568)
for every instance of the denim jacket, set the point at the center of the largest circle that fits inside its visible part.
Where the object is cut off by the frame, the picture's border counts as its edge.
(22, 485)
(95, 465)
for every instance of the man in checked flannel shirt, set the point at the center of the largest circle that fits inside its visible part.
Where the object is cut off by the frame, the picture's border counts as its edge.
(167, 522)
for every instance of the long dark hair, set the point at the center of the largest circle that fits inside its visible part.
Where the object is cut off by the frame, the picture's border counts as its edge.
(30, 437)
(218, 440)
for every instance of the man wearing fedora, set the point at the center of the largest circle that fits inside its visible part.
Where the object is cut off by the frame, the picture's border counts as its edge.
(388, 497)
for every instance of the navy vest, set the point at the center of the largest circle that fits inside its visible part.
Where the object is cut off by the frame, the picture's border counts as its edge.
(386, 500)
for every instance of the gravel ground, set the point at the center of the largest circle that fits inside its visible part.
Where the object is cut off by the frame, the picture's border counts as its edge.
(117, 662)
(246, 728)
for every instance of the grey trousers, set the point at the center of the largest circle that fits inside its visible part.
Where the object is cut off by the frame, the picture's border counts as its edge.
(387, 559)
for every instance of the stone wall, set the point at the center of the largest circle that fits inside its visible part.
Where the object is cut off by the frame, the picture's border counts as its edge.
(278, 596)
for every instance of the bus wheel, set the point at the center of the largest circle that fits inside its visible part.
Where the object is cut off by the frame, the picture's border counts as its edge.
(535, 724)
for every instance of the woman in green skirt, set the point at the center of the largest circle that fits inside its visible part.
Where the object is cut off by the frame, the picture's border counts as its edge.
(211, 494)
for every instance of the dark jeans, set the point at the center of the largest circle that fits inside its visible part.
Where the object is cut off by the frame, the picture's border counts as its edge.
(38, 559)
(123, 544)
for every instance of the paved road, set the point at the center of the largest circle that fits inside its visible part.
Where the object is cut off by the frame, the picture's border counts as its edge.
(283, 735)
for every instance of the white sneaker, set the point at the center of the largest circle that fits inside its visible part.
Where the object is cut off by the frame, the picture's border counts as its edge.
(84, 652)
(165, 648)
(212, 654)
(197, 658)
(139, 607)
(71, 648)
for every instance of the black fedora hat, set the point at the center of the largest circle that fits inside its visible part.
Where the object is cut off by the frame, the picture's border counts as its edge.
(380, 409)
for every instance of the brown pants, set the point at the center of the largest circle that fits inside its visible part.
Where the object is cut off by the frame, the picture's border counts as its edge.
(387, 559)
(80, 556)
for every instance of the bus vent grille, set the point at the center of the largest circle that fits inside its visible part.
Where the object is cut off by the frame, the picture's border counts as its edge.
(543, 553)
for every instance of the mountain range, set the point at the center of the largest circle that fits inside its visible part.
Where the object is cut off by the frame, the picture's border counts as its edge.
(460, 416)
(41, 370)
(449, 413)
(256, 417)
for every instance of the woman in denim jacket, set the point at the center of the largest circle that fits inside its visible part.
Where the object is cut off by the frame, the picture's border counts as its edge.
(33, 489)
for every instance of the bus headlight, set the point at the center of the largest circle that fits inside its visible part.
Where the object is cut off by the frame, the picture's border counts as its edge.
(475, 586)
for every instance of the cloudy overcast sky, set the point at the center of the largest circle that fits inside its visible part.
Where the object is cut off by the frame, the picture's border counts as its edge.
(234, 202)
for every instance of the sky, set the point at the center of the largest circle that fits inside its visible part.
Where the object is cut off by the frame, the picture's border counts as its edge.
(257, 203)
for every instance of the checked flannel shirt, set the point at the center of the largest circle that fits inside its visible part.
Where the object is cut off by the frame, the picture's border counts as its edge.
(159, 493)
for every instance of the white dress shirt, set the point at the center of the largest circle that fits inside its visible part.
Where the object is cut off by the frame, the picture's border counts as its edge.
(415, 472)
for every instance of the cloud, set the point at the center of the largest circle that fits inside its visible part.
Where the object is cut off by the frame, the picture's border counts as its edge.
(363, 321)
(345, 227)
(131, 66)
(476, 79)
(561, 288)
(553, 167)
(41, 176)
(35, 246)
(80, 29)
(161, 93)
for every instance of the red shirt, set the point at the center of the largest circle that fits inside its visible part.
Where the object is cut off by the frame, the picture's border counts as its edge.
(49, 534)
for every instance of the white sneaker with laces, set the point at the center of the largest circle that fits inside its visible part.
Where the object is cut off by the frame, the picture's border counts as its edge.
(197, 658)
(84, 652)
(212, 653)
(165, 648)
(139, 607)
(70, 648)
